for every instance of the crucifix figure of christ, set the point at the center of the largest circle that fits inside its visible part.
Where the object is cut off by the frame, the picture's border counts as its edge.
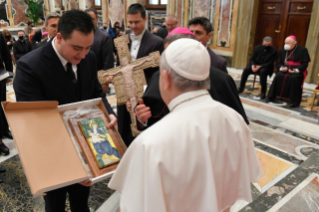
(129, 79)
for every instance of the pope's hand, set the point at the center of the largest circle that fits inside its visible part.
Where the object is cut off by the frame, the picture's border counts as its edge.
(86, 183)
(142, 112)
(113, 122)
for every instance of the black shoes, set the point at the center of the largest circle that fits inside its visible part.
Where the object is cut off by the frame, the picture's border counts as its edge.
(7, 134)
(262, 96)
(4, 149)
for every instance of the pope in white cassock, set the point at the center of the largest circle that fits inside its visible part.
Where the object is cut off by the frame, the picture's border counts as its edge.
(199, 157)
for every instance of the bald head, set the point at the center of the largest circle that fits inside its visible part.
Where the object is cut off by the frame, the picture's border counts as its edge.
(290, 43)
(171, 22)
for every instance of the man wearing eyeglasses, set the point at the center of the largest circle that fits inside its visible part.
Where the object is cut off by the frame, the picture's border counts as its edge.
(171, 23)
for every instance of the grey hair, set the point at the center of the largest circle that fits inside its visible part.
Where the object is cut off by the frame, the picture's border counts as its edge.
(171, 16)
(267, 38)
(51, 15)
(180, 82)
(175, 37)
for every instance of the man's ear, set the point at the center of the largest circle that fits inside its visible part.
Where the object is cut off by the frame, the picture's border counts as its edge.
(59, 38)
(167, 80)
(210, 35)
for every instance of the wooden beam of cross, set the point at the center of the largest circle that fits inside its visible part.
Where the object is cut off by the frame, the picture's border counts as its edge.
(129, 79)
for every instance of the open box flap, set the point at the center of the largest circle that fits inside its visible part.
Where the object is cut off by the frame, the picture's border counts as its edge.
(48, 155)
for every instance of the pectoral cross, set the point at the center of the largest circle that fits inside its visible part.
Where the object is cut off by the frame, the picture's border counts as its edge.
(129, 79)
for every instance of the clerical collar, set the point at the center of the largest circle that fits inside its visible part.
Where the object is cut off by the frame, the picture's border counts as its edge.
(186, 97)
(137, 37)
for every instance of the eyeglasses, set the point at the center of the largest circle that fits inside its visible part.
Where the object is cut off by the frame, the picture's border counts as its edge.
(170, 25)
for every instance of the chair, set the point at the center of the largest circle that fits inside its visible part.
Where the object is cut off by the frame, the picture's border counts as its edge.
(315, 92)
(255, 75)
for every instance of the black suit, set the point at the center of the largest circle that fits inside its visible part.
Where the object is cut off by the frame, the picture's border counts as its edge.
(42, 43)
(103, 49)
(217, 61)
(264, 58)
(162, 32)
(40, 76)
(5, 57)
(150, 43)
(21, 48)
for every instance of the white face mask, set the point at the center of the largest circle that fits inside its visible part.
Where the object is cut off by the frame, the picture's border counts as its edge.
(287, 47)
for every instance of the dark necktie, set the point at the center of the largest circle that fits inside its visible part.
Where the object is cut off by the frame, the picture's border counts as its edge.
(70, 72)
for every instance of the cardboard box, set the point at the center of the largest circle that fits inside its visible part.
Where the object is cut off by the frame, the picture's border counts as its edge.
(49, 156)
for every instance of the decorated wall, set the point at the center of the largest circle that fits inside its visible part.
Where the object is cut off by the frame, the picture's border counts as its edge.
(12, 13)
(221, 13)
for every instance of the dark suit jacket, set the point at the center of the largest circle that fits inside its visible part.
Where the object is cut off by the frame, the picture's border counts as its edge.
(217, 61)
(20, 50)
(40, 76)
(103, 49)
(269, 58)
(162, 32)
(5, 56)
(42, 43)
(150, 43)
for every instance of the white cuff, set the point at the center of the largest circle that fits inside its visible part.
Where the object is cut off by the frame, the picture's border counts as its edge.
(143, 123)
(280, 69)
(297, 70)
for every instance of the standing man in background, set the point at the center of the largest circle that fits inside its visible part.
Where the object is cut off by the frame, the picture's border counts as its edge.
(102, 46)
(51, 25)
(171, 23)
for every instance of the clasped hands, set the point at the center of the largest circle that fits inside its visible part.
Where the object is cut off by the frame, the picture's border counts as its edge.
(255, 68)
(142, 112)
(285, 69)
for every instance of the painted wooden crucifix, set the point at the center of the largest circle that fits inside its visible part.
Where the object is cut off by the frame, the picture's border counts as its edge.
(129, 79)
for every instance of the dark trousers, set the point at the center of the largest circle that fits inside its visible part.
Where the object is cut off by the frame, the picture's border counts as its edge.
(262, 72)
(78, 197)
(3, 97)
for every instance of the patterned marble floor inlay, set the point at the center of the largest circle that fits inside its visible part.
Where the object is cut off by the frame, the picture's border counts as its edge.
(304, 197)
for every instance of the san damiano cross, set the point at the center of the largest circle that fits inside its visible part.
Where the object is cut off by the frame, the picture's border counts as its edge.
(129, 79)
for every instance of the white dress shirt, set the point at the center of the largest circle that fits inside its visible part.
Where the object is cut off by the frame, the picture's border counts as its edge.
(64, 61)
(136, 43)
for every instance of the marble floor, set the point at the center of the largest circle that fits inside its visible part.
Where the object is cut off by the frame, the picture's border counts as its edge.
(286, 142)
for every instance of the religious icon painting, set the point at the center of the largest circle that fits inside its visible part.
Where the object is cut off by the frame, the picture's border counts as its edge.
(102, 148)
(100, 142)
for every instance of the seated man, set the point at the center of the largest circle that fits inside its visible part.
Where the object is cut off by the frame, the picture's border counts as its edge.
(261, 63)
(200, 157)
(22, 46)
(292, 63)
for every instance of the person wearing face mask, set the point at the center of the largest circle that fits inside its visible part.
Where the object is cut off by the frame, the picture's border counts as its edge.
(10, 40)
(22, 46)
(261, 63)
(105, 29)
(292, 63)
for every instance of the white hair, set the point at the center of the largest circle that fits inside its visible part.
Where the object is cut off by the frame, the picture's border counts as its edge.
(180, 82)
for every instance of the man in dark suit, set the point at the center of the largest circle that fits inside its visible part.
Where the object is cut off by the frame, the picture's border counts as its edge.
(51, 25)
(170, 24)
(64, 70)
(261, 63)
(202, 29)
(5, 58)
(22, 46)
(142, 44)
